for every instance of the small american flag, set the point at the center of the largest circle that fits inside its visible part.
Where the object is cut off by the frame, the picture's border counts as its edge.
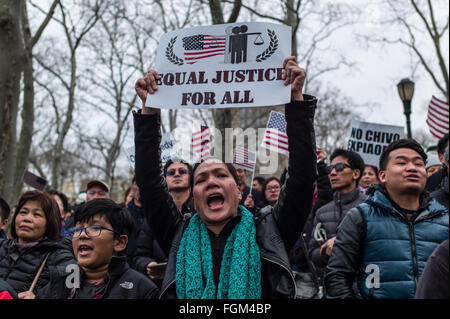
(244, 158)
(202, 46)
(34, 181)
(437, 119)
(200, 142)
(275, 137)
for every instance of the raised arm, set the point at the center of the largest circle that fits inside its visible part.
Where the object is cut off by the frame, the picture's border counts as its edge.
(295, 201)
(162, 215)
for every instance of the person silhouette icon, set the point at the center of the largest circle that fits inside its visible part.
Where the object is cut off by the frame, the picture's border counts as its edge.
(237, 44)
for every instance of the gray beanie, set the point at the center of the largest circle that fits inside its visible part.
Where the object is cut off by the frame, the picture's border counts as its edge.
(432, 160)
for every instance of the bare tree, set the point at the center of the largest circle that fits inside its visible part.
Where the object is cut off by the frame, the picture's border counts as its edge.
(333, 117)
(75, 29)
(421, 26)
(16, 47)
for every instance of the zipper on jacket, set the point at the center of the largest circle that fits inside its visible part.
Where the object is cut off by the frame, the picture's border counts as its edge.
(165, 289)
(289, 272)
(413, 251)
(371, 293)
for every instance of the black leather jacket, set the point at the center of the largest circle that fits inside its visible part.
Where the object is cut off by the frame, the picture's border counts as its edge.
(277, 228)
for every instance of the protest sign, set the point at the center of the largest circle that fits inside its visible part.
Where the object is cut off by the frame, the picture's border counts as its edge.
(167, 147)
(168, 150)
(370, 139)
(221, 66)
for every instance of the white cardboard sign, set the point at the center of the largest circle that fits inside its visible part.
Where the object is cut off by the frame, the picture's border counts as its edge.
(370, 139)
(222, 66)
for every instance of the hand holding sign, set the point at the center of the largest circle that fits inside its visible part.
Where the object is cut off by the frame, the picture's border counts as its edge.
(147, 85)
(295, 76)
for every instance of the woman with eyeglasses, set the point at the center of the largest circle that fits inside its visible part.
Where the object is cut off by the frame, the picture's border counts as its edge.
(36, 234)
(271, 191)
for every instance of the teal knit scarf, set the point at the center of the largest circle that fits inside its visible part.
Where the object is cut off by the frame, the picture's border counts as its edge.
(240, 271)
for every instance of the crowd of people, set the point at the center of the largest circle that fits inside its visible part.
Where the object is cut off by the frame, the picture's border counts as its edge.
(338, 229)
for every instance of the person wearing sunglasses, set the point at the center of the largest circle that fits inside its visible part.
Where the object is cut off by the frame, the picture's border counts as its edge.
(344, 172)
(148, 251)
(178, 178)
(99, 240)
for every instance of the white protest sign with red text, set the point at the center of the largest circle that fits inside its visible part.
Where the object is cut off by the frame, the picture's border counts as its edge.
(222, 66)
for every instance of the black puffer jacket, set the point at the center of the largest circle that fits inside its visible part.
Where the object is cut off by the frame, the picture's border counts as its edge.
(326, 222)
(277, 228)
(20, 273)
(124, 283)
(299, 259)
(441, 194)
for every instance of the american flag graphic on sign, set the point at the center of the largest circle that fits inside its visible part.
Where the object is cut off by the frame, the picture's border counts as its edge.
(244, 158)
(202, 46)
(275, 136)
(200, 142)
(437, 119)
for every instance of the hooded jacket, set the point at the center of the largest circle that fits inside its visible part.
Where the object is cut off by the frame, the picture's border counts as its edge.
(123, 283)
(277, 228)
(384, 251)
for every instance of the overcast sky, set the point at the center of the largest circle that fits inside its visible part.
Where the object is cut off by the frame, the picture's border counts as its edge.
(380, 68)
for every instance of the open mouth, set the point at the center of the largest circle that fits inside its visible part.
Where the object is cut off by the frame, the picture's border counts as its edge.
(412, 177)
(84, 250)
(215, 201)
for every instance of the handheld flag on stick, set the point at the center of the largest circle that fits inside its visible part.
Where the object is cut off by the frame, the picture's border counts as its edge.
(275, 137)
(244, 158)
(201, 141)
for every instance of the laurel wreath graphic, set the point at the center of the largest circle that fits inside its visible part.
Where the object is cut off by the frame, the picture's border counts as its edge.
(273, 46)
(170, 55)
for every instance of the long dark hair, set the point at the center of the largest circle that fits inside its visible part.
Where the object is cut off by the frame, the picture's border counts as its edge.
(51, 211)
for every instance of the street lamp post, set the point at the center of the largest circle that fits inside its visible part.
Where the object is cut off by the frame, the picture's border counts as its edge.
(406, 91)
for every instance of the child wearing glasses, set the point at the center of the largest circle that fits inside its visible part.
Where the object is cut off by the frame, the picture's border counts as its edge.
(99, 240)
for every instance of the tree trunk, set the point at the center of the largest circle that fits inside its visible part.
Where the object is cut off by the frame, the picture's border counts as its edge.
(12, 55)
(26, 133)
(293, 21)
